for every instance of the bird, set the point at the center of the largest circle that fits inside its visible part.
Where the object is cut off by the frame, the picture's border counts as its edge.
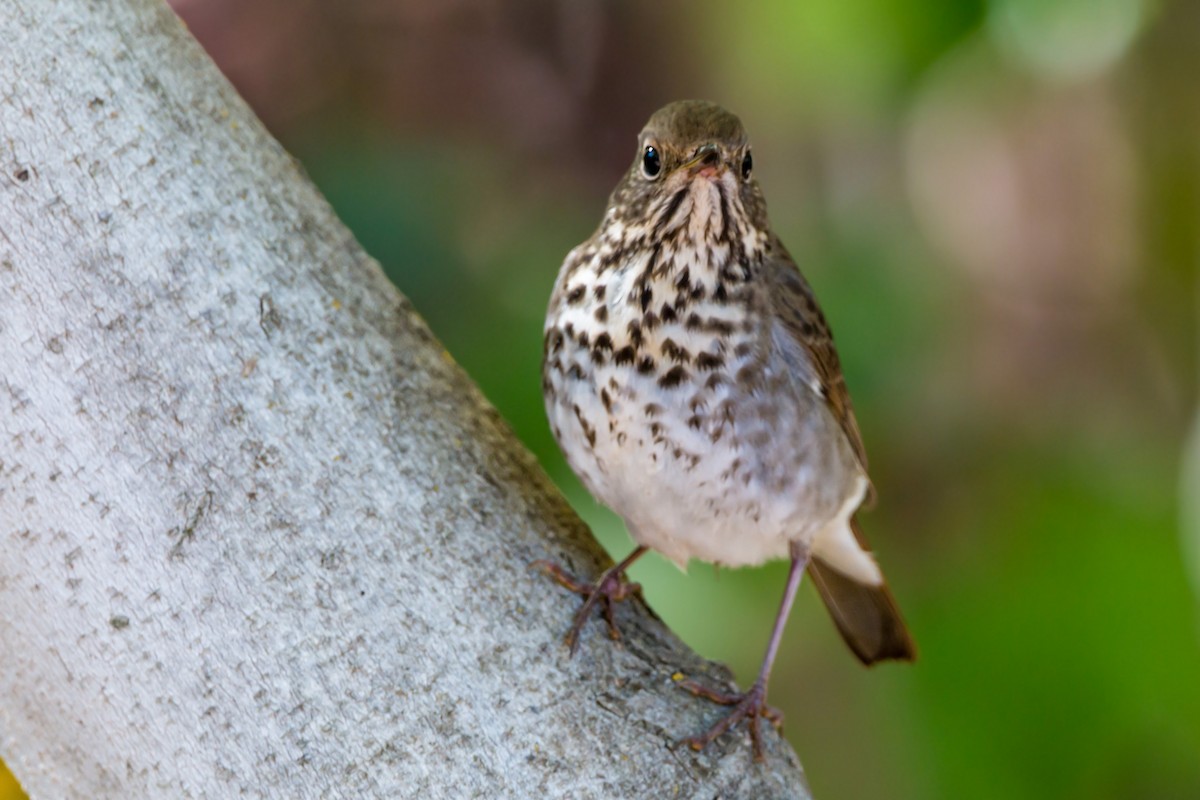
(691, 381)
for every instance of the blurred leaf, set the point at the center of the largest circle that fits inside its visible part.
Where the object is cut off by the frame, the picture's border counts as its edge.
(829, 54)
(1072, 633)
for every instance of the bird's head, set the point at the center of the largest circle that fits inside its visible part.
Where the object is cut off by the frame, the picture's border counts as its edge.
(693, 172)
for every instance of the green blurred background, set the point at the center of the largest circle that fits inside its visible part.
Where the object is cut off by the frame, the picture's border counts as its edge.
(998, 204)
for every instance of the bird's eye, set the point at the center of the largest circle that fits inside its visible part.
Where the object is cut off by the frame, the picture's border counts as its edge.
(747, 165)
(651, 162)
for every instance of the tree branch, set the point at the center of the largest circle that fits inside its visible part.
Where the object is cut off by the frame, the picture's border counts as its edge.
(258, 534)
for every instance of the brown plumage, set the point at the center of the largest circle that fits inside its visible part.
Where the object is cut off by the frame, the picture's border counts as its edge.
(692, 382)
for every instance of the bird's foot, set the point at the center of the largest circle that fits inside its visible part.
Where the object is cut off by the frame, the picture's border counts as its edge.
(612, 587)
(748, 706)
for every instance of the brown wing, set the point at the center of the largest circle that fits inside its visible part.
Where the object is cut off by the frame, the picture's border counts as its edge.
(796, 308)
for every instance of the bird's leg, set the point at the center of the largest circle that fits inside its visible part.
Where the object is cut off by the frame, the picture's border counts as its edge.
(611, 588)
(751, 705)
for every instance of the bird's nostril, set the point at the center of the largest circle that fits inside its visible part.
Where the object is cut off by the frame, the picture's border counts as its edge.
(710, 156)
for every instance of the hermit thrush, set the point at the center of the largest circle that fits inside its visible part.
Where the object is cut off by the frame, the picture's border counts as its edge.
(691, 380)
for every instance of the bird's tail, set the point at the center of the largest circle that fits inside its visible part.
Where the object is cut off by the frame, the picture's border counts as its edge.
(865, 612)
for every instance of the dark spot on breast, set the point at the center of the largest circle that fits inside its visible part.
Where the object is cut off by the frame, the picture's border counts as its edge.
(734, 272)
(719, 294)
(683, 279)
(575, 295)
(575, 372)
(807, 328)
(606, 399)
(698, 293)
(623, 356)
(652, 409)
(743, 349)
(672, 207)
(667, 313)
(601, 313)
(645, 365)
(603, 342)
(635, 333)
(599, 290)
(694, 422)
(647, 297)
(583, 339)
(719, 326)
(710, 325)
(673, 377)
(588, 430)
(715, 380)
(569, 329)
(674, 352)
(650, 320)
(707, 361)
(748, 376)
(655, 429)
(554, 341)
(768, 413)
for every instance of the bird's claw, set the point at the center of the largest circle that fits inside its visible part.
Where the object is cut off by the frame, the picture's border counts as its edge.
(610, 588)
(748, 706)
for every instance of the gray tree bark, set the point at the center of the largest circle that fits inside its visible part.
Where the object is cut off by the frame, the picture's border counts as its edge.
(259, 536)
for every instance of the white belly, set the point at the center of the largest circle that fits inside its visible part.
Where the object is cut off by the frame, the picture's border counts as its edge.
(695, 480)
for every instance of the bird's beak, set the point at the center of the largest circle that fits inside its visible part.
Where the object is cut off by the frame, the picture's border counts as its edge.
(708, 157)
